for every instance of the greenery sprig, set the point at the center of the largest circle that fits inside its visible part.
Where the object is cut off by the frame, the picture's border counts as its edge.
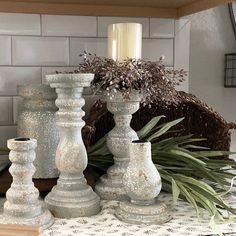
(185, 168)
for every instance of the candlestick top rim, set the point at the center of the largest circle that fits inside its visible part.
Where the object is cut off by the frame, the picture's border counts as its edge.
(119, 96)
(21, 139)
(36, 91)
(21, 143)
(83, 79)
(140, 141)
(136, 143)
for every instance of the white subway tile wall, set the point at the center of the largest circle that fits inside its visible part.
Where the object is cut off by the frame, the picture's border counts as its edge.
(40, 51)
(96, 46)
(56, 25)
(6, 132)
(19, 24)
(162, 28)
(33, 45)
(6, 106)
(5, 50)
(153, 49)
(11, 76)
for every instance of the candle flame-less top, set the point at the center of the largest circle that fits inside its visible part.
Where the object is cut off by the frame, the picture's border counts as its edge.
(124, 41)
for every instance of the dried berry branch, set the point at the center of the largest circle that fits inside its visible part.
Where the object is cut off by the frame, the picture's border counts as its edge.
(153, 79)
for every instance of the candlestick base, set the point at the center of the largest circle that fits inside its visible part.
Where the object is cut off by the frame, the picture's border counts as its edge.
(111, 189)
(156, 213)
(44, 220)
(72, 198)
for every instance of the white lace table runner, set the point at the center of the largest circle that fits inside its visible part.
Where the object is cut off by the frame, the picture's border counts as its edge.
(184, 223)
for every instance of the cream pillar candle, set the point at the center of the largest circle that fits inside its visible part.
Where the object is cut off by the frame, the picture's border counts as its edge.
(124, 41)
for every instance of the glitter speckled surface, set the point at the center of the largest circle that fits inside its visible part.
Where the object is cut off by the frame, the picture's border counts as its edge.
(37, 120)
(142, 183)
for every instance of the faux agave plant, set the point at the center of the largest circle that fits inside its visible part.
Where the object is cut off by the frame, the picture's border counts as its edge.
(186, 169)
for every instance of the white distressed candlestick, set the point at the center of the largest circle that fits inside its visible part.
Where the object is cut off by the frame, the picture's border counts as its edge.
(110, 186)
(22, 205)
(124, 41)
(72, 196)
(142, 183)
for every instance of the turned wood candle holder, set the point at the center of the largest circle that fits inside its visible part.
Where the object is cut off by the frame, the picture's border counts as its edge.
(110, 186)
(22, 205)
(72, 196)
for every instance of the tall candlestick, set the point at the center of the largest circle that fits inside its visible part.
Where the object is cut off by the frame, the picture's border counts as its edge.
(110, 186)
(71, 197)
(124, 41)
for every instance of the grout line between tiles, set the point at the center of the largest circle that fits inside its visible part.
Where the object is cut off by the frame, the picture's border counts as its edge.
(9, 95)
(48, 66)
(13, 116)
(149, 27)
(41, 74)
(40, 24)
(174, 27)
(82, 37)
(96, 26)
(8, 125)
(69, 50)
(36, 66)
(11, 51)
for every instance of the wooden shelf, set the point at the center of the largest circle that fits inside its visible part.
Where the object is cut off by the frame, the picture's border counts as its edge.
(135, 8)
